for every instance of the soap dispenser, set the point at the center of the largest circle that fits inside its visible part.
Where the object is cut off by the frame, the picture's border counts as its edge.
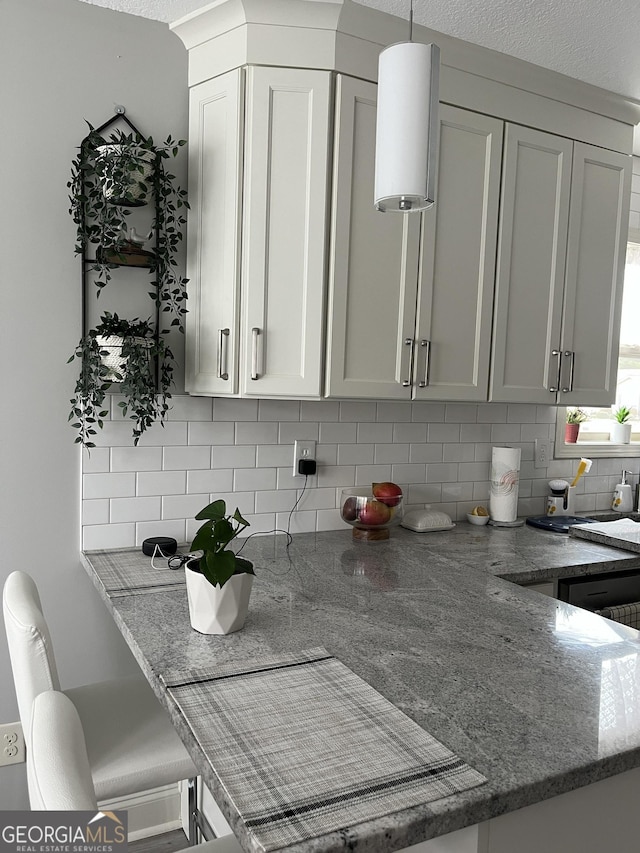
(622, 498)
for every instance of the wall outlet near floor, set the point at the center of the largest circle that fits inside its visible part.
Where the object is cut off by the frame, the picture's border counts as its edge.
(543, 450)
(302, 450)
(11, 744)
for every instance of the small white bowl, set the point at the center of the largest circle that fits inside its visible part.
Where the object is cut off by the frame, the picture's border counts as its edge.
(480, 520)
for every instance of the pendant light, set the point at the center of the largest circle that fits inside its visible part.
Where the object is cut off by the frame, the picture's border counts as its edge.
(407, 126)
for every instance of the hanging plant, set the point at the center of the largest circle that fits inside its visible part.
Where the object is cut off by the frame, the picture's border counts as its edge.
(126, 352)
(111, 176)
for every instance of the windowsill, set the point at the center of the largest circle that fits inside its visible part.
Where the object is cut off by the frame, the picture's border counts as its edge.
(599, 447)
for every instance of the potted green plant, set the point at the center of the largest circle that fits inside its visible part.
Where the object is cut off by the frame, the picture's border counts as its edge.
(621, 428)
(219, 581)
(127, 352)
(109, 177)
(574, 418)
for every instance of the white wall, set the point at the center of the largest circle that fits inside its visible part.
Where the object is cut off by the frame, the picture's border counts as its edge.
(61, 61)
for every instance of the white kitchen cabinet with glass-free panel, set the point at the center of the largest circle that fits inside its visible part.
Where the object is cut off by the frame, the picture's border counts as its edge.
(258, 162)
(563, 229)
(286, 249)
(410, 297)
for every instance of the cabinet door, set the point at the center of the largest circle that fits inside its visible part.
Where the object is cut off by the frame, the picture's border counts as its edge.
(534, 219)
(284, 227)
(213, 233)
(455, 302)
(598, 226)
(373, 265)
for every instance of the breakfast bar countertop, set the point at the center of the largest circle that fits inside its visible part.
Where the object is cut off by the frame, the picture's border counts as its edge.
(516, 684)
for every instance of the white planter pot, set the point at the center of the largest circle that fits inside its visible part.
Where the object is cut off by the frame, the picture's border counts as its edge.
(215, 609)
(114, 360)
(620, 433)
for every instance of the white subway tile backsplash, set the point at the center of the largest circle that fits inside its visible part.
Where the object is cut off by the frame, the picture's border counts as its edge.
(254, 479)
(443, 432)
(261, 523)
(261, 432)
(398, 412)
(235, 410)
(135, 509)
(95, 537)
(95, 511)
(338, 433)
(279, 410)
(96, 461)
(187, 408)
(274, 455)
(210, 480)
(390, 453)
(290, 432)
(170, 527)
(242, 451)
(161, 483)
(108, 485)
(319, 410)
(374, 433)
(300, 522)
(233, 457)
(355, 454)
(276, 500)
(367, 474)
(183, 506)
(410, 433)
(357, 412)
(136, 458)
(410, 473)
(213, 432)
(427, 413)
(186, 458)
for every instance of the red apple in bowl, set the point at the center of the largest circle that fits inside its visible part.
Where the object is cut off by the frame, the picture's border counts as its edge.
(374, 513)
(350, 509)
(387, 493)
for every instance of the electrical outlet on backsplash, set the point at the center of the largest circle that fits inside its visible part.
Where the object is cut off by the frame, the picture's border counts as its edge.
(241, 450)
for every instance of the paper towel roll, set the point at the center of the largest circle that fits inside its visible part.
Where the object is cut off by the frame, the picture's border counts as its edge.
(503, 498)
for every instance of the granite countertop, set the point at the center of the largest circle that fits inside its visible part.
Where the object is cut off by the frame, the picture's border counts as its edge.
(519, 685)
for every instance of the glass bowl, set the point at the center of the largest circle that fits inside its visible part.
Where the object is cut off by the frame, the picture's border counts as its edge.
(370, 517)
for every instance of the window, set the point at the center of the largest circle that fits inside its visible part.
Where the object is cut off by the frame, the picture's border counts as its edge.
(595, 432)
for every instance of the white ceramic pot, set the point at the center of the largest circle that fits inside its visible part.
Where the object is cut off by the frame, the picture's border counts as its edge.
(215, 609)
(128, 189)
(620, 433)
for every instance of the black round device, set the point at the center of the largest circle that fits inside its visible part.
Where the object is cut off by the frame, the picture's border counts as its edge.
(159, 546)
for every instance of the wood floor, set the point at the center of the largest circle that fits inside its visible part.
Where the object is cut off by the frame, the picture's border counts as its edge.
(167, 843)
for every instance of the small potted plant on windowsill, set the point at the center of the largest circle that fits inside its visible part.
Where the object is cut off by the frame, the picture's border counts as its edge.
(621, 428)
(219, 581)
(124, 352)
(574, 418)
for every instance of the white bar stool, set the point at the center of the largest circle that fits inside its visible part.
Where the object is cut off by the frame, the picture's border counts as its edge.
(58, 767)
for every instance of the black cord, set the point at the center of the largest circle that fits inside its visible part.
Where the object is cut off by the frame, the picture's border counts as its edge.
(287, 532)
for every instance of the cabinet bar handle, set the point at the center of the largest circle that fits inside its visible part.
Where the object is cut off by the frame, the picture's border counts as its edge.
(558, 355)
(408, 342)
(222, 354)
(254, 352)
(571, 355)
(426, 345)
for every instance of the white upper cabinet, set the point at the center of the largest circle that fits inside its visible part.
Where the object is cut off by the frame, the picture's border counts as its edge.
(373, 267)
(284, 232)
(457, 261)
(409, 313)
(559, 281)
(213, 234)
(257, 233)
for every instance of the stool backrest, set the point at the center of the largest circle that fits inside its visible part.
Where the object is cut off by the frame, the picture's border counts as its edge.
(57, 764)
(30, 648)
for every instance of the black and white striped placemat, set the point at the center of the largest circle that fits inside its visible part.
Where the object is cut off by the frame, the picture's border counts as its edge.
(304, 746)
(130, 572)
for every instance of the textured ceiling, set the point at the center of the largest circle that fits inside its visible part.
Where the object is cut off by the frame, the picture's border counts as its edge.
(594, 41)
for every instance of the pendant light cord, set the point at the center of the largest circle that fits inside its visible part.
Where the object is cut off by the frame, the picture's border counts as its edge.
(411, 21)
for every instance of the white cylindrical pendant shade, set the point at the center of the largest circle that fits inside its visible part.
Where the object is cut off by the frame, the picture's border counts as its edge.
(407, 127)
